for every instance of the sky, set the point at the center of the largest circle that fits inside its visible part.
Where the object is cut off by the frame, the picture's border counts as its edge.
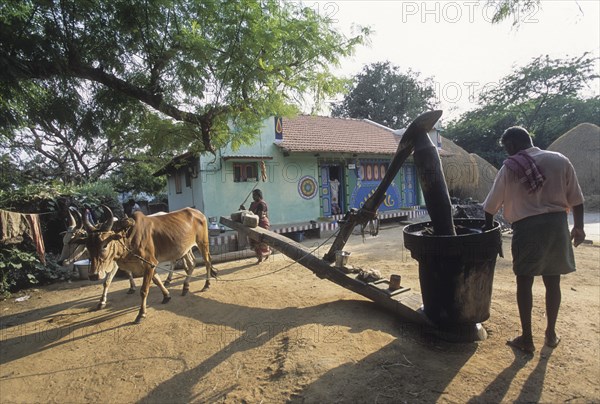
(455, 44)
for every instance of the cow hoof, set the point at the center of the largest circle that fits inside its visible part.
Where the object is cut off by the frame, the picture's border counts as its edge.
(100, 306)
(139, 318)
(185, 291)
(206, 286)
(131, 291)
(166, 283)
(166, 299)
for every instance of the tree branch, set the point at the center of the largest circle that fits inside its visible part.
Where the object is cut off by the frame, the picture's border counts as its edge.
(41, 70)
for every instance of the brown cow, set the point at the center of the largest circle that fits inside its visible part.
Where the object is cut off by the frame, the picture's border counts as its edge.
(73, 251)
(139, 244)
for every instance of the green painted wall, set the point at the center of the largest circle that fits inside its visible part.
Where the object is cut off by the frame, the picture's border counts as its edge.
(215, 193)
(222, 195)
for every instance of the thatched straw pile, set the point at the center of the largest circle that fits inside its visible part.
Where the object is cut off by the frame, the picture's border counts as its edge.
(581, 145)
(467, 175)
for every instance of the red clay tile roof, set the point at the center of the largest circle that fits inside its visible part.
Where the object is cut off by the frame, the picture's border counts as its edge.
(307, 133)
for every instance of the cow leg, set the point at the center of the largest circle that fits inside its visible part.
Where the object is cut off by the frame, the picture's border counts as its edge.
(189, 261)
(107, 281)
(210, 271)
(148, 275)
(131, 289)
(165, 292)
(167, 281)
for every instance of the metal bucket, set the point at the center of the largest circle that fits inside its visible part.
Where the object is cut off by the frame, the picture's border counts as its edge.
(341, 258)
(213, 228)
(82, 267)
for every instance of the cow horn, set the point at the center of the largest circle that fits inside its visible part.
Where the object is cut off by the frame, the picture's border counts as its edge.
(88, 226)
(72, 222)
(108, 223)
(79, 220)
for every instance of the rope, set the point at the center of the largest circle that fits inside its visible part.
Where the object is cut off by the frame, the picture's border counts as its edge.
(249, 193)
(155, 267)
(35, 213)
(373, 226)
(263, 177)
(138, 256)
(269, 273)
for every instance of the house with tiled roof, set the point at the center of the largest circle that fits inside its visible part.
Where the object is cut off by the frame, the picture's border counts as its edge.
(311, 169)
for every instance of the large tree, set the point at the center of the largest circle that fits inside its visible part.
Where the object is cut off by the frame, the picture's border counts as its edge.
(384, 94)
(207, 65)
(72, 133)
(547, 96)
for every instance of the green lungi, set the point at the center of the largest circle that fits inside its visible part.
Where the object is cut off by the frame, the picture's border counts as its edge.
(541, 245)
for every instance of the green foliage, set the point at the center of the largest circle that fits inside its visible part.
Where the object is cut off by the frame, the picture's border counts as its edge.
(546, 97)
(383, 94)
(517, 9)
(44, 198)
(138, 177)
(479, 131)
(212, 64)
(21, 269)
(10, 175)
(19, 264)
(542, 80)
(70, 131)
(96, 194)
(33, 198)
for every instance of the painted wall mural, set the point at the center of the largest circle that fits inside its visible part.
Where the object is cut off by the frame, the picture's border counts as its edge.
(370, 174)
(307, 187)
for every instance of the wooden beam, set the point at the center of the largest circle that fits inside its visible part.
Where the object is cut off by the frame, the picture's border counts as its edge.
(406, 305)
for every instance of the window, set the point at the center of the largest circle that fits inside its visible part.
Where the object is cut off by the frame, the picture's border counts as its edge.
(188, 178)
(244, 172)
(178, 182)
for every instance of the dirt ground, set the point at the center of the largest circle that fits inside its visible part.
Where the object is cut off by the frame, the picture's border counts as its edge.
(276, 333)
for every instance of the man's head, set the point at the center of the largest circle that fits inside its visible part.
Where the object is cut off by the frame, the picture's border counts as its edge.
(515, 139)
(257, 194)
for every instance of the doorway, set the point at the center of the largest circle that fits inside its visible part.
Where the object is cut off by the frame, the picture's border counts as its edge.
(409, 189)
(332, 189)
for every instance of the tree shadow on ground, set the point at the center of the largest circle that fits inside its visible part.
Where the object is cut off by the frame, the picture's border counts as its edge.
(231, 329)
(33, 331)
(410, 369)
(264, 326)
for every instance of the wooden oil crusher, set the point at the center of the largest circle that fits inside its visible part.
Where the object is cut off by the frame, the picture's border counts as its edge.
(456, 256)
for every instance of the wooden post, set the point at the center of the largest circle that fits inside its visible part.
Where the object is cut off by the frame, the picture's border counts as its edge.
(433, 183)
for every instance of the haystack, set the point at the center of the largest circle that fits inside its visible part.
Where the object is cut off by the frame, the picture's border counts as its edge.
(467, 174)
(581, 145)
